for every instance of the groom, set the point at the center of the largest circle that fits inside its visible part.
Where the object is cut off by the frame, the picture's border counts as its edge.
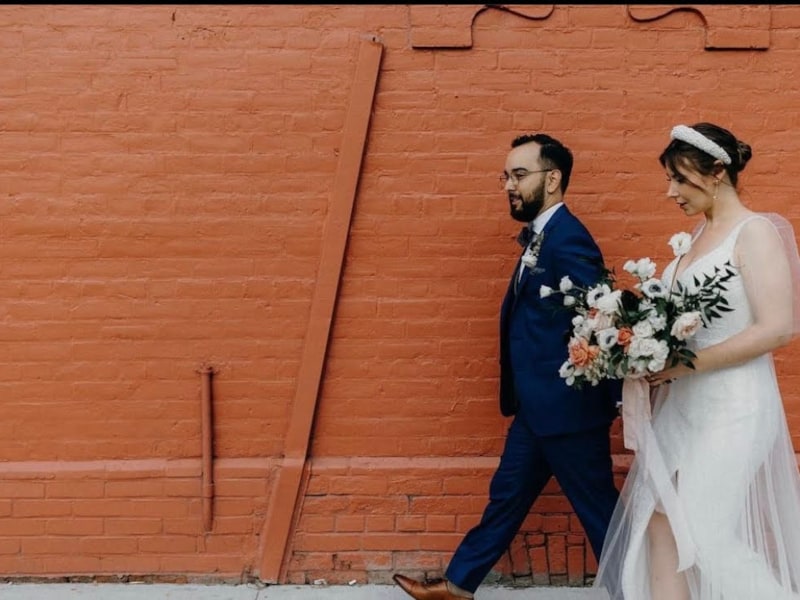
(556, 431)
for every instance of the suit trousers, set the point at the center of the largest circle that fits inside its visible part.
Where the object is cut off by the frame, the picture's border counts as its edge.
(580, 462)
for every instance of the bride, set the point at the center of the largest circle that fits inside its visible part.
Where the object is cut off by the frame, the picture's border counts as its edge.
(710, 509)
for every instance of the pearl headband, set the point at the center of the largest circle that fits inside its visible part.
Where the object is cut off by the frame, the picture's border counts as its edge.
(701, 142)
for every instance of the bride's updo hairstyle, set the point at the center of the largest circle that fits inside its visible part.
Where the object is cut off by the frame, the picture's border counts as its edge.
(701, 146)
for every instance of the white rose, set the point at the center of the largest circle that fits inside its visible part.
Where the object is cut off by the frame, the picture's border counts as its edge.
(645, 268)
(681, 243)
(636, 349)
(545, 291)
(657, 321)
(642, 269)
(599, 322)
(661, 351)
(686, 325)
(643, 329)
(642, 347)
(565, 284)
(569, 300)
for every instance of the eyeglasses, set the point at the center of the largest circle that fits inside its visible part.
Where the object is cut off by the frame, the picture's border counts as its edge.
(518, 175)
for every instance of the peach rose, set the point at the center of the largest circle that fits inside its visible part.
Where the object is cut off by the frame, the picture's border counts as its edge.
(687, 325)
(582, 354)
(624, 336)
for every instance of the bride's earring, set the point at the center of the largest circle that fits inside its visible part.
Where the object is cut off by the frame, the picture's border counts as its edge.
(716, 188)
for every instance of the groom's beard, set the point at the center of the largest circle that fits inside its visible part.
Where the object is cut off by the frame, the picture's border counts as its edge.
(530, 207)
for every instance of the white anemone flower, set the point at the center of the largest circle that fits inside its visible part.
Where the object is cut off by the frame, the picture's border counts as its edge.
(596, 293)
(607, 338)
(654, 288)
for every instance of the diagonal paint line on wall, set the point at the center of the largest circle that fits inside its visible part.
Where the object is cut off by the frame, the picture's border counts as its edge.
(286, 494)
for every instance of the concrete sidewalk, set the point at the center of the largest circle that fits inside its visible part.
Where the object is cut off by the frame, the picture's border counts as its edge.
(148, 591)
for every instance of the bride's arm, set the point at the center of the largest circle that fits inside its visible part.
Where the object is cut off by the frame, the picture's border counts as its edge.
(765, 270)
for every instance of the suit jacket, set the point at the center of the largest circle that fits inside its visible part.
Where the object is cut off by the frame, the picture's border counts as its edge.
(534, 333)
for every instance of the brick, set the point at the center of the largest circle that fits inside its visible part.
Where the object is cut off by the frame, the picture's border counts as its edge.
(518, 557)
(539, 565)
(575, 564)
(557, 554)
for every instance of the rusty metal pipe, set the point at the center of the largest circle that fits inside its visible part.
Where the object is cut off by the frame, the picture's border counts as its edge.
(207, 435)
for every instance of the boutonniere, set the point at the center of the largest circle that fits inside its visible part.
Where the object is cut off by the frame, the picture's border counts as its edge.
(531, 255)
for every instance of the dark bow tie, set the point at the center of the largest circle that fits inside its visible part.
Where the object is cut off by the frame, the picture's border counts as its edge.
(525, 236)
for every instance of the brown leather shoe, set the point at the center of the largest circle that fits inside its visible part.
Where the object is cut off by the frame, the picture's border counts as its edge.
(429, 590)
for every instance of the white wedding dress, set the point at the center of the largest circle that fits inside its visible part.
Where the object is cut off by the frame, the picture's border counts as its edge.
(718, 461)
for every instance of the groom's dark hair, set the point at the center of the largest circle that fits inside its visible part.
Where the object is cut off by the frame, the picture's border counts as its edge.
(553, 154)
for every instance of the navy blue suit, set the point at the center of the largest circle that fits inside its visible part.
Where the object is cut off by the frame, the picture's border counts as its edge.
(557, 430)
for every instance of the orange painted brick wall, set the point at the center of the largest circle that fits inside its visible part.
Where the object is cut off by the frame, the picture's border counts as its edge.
(166, 182)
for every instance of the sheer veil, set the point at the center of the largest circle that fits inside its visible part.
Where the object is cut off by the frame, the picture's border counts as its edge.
(786, 231)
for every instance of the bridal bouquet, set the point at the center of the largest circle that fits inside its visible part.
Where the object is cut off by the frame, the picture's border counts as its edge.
(619, 333)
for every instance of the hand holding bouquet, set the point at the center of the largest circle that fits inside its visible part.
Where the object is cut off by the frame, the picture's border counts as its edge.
(629, 333)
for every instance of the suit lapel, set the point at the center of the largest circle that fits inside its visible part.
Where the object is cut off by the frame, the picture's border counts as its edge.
(521, 278)
(552, 223)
